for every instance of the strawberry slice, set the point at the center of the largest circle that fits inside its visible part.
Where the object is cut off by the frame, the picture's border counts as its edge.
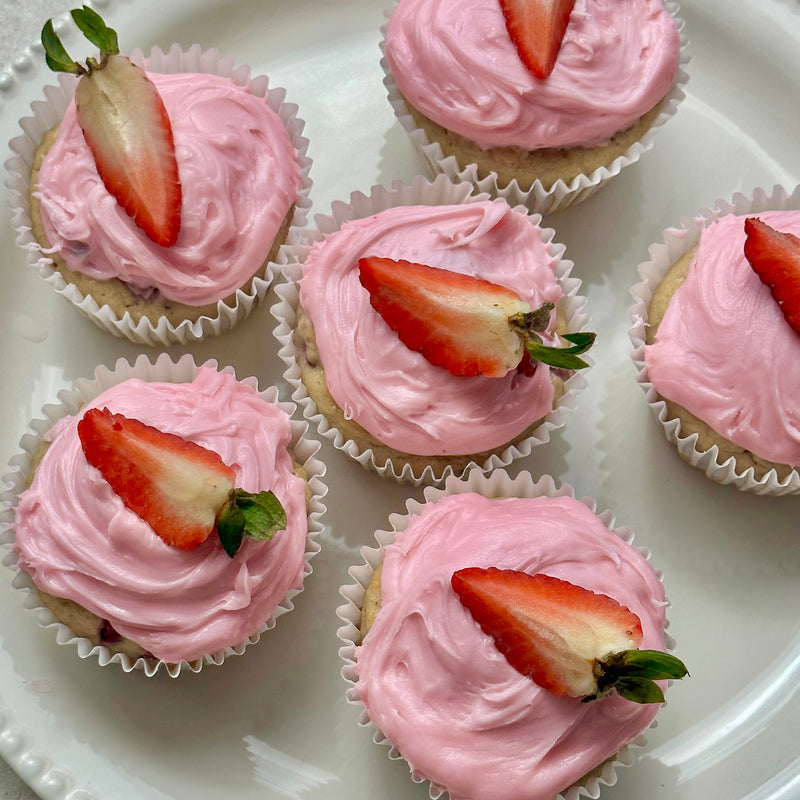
(179, 488)
(467, 325)
(537, 28)
(126, 126)
(775, 257)
(129, 133)
(569, 640)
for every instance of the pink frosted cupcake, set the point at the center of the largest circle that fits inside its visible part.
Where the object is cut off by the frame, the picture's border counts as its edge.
(437, 689)
(385, 403)
(243, 174)
(716, 356)
(101, 575)
(476, 112)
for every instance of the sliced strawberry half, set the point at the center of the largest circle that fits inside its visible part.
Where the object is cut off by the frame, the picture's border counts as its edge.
(129, 133)
(467, 325)
(126, 126)
(567, 639)
(775, 257)
(182, 490)
(537, 28)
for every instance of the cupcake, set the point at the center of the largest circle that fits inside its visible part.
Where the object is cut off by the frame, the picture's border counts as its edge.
(714, 352)
(385, 403)
(115, 584)
(438, 690)
(545, 136)
(243, 179)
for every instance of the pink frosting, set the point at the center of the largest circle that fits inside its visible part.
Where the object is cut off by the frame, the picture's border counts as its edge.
(724, 350)
(456, 63)
(78, 541)
(437, 686)
(393, 392)
(239, 174)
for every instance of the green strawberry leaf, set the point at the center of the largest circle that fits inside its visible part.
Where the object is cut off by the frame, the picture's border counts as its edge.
(55, 53)
(651, 664)
(562, 357)
(256, 516)
(263, 514)
(639, 690)
(91, 25)
(230, 529)
(530, 324)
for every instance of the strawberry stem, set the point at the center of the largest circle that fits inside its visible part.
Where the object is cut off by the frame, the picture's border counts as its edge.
(633, 674)
(528, 326)
(537, 320)
(256, 516)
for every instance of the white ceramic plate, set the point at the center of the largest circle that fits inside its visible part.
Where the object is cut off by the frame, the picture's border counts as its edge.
(731, 561)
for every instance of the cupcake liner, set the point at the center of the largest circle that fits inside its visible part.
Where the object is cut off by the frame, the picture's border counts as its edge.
(48, 112)
(419, 192)
(537, 198)
(676, 242)
(83, 391)
(497, 484)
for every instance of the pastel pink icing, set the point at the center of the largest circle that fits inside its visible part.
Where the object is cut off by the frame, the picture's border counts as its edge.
(77, 540)
(456, 63)
(437, 686)
(239, 175)
(393, 392)
(724, 350)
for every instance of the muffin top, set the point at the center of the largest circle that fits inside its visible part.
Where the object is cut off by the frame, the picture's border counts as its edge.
(723, 349)
(239, 174)
(78, 541)
(394, 392)
(438, 687)
(455, 62)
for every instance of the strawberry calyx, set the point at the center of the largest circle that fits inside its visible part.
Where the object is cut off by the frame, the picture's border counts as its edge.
(528, 325)
(632, 674)
(126, 127)
(255, 516)
(91, 24)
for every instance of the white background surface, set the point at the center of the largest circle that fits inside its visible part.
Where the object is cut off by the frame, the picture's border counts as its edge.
(731, 561)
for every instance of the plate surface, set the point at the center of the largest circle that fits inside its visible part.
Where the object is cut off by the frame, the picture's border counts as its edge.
(731, 561)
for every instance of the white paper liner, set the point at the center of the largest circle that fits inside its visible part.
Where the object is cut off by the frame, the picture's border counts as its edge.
(48, 112)
(678, 241)
(304, 451)
(560, 195)
(419, 192)
(496, 484)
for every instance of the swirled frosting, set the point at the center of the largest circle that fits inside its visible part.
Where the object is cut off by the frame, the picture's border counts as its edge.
(724, 350)
(239, 175)
(456, 63)
(393, 392)
(437, 686)
(77, 540)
